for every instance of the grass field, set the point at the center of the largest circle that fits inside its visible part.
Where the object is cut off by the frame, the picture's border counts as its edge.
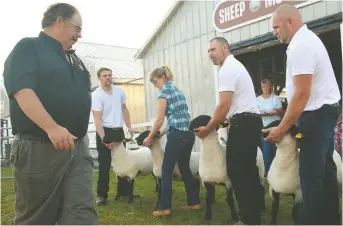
(119, 212)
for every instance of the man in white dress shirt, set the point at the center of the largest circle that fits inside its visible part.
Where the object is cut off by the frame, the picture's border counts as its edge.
(237, 102)
(313, 96)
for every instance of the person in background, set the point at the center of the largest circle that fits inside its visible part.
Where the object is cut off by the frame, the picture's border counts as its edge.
(270, 107)
(172, 103)
(109, 113)
(49, 91)
(338, 135)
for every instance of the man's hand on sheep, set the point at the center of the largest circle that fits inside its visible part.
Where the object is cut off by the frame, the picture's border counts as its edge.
(61, 138)
(274, 134)
(201, 132)
(110, 146)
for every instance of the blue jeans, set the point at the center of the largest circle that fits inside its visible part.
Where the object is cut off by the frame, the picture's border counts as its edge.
(317, 170)
(178, 150)
(268, 150)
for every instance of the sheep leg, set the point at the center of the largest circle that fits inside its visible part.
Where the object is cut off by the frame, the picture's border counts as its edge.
(197, 185)
(119, 188)
(131, 185)
(210, 193)
(230, 201)
(296, 208)
(275, 206)
(295, 212)
(158, 184)
(263, 201)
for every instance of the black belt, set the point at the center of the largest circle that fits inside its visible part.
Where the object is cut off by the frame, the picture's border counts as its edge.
(244, 114)
(115, 129)
(32, 137)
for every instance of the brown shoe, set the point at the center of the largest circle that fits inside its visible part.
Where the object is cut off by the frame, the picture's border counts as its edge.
(161, 213)
(194, 207)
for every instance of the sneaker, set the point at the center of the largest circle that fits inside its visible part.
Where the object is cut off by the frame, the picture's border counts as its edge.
(194, 207)
(161, 213)
(100, 201)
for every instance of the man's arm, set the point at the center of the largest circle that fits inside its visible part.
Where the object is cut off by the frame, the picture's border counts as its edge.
(98, 124)
(302, 91)
(33, 108)
(221, 110)
(126, 116)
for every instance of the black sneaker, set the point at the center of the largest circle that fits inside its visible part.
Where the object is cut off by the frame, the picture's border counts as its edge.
(100, 201)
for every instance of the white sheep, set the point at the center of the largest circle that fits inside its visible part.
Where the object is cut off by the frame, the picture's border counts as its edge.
(128, 164)
(283, 176)
(338, 161)
(157, 159)
(212, 165)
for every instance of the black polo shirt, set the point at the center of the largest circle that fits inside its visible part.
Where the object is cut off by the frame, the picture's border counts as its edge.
(63, 88)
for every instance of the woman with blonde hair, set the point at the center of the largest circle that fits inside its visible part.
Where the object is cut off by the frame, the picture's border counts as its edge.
(172, 103)
(270, 107)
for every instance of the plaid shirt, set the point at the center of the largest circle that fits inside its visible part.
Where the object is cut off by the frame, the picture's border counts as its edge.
(177, 110)
(338, 137)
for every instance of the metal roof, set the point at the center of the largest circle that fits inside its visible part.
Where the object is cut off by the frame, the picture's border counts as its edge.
(120, 60)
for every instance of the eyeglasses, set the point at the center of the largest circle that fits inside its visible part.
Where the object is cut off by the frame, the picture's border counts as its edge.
(78, 27)
(154, 81)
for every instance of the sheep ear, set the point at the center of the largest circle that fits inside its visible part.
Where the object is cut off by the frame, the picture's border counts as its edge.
(295, 132)
(223, 125)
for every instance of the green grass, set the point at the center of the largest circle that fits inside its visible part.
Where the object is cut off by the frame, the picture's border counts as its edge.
(120, 212)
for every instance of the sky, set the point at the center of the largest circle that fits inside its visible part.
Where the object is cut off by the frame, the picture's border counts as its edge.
(127, 23)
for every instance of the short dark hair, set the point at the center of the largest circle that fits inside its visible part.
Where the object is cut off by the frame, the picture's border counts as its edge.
(101, 70)
(221, 40)
(64, 10)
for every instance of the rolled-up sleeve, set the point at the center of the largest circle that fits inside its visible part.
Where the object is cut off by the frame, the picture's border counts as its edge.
(20, 69)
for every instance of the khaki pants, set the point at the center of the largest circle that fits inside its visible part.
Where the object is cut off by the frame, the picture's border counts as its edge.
(52, 186)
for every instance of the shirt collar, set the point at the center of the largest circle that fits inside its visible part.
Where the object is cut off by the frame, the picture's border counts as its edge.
(53, 43)
(297, 36)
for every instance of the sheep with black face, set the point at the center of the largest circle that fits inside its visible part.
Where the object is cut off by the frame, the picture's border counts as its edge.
(128, 164)
(212, 164)
(283, 176)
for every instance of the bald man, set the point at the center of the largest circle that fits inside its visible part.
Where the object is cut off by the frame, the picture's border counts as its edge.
(313, 96)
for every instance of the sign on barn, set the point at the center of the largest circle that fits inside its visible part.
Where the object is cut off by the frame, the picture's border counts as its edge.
(229, 15)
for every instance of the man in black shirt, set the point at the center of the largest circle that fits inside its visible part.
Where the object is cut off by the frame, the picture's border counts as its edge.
(50, 103)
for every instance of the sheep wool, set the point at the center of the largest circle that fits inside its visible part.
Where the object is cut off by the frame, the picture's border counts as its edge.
(283, 175)
(131, 163)
(212, 164)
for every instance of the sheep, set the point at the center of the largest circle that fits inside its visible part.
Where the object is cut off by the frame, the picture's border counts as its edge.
(157, 158)
(283, 176)
(212, 165)
(338, 161)
(128, 164)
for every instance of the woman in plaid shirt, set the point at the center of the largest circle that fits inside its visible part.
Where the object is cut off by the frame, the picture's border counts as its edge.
(172, 103)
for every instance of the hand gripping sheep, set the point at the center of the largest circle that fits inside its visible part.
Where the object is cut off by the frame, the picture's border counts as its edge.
(157, 159)
(212, 166)
(127, 164)
(283, 175)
